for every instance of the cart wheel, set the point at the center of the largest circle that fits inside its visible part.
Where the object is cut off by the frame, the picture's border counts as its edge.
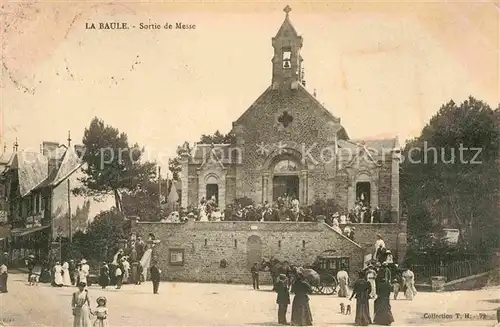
(327, 289)
(328, 284)
(316, 289)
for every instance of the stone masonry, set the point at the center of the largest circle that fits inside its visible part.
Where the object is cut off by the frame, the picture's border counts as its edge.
(287, 122)
(205, 244)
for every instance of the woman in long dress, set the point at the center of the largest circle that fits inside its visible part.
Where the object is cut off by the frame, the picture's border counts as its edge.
(84, 271)
(58, 278)
(65, 274)
(301, 311)
(361, 290)
(409, 284)
(371, 275)
(343, 279)
(382, 305)
(80, 303)
(104, 276)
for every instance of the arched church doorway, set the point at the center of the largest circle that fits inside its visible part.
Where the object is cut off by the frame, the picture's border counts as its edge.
(254, 250)
(212, 190)
(363, 192)
(286, 180)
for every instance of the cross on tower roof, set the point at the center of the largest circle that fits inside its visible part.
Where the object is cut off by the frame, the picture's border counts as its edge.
(287, 9)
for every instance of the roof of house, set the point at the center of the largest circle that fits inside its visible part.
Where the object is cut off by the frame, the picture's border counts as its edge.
(33, 169)
(5, 157)
(70, 163)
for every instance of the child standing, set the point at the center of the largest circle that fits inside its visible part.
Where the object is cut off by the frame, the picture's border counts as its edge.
(395, 288)
(119, 276)
(101, 312)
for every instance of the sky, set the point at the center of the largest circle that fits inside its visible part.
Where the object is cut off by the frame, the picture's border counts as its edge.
(383, 68)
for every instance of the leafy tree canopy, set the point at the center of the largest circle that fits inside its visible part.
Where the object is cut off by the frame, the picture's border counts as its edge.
(102, 238)
(450, 175)
(175, 164)
(144, 202)
(112, 165)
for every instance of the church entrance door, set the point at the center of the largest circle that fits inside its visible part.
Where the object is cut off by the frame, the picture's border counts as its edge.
(363, 190)
(254, 250)
(212, 190)
(285, 185)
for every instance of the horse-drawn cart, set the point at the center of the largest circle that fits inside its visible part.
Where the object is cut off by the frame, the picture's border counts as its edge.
(326, 265)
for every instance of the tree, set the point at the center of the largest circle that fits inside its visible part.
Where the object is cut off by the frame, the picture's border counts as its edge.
(175, 164)
(101, 240)
(451, 174)
(144, 201)
(111, 165)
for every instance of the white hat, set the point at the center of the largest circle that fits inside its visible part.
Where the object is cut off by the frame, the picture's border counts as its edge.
(83, 261)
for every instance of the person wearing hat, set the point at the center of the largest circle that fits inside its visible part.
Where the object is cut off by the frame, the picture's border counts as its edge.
(371, 276)
(84, 271)
(101, 312)
(361, 290)
(104, 279)
(343, 280)
(379, 245)
(72, 271)
(58, 275)
(155, 273)
(382, 306)
(395, 288)
(255, 275)
(3, 277)
(388, 257)
(80, 304)
(30, 264)
(282, 299)
(351, 234)
(409, 283)
(301, 311)
(384, 272)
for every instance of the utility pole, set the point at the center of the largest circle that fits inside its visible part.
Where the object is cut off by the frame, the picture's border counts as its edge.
(69, 195)
(159, 186)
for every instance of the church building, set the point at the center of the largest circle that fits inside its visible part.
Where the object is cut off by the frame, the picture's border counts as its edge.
(288, 143)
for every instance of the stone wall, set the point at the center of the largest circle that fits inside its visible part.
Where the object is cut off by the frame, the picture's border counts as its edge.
(384, 188)
(205, 244)
(394, 236)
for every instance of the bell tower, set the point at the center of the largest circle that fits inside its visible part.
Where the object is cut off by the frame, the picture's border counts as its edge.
(287, 62)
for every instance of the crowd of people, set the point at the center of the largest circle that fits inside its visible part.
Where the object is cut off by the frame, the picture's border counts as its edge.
(286, 208)
(123, 269)
(376, 282)
(373, 283)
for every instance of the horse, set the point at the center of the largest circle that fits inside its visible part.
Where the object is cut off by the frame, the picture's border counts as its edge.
(276, 268)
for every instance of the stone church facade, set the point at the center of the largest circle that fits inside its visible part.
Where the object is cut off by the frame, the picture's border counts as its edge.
(287, 142)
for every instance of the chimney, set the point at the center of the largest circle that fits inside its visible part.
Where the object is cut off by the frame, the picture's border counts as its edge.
(49, 149)
(314, 93)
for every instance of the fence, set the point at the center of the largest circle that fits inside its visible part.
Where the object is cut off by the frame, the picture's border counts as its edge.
(451, 270)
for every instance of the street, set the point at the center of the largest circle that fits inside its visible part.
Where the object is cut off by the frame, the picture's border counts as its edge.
(189, 304)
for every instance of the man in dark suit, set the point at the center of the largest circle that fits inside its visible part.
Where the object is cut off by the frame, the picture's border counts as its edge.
(255, 275)
(155, 277)
(283, 298)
